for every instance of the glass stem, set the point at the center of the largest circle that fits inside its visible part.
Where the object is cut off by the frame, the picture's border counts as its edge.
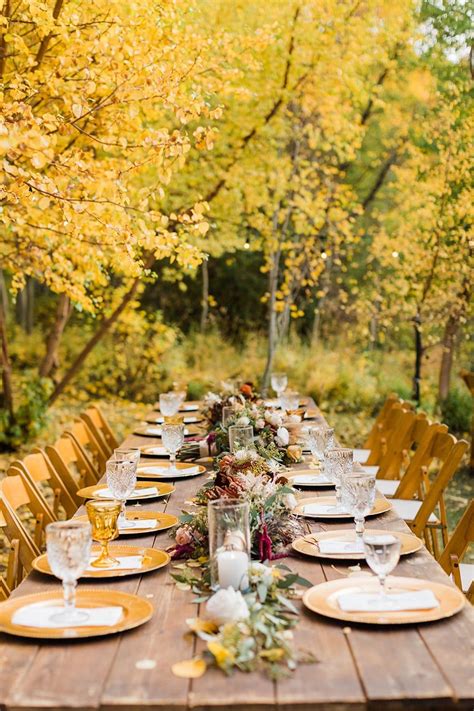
(383, 587)
(122, 518)
(360, 527)
(69, 591)
(338, 495)
(105, 550)
(173, 460)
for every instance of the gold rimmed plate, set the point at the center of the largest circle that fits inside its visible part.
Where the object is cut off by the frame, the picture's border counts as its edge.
(149, 559)
(323, 599)
(320, 507)
(189, 406)
(142, 520)
(309, 479)
(155, 431)
(154, 418)
(135, 612)
(164, 471)
(309, 545)
(143, 490)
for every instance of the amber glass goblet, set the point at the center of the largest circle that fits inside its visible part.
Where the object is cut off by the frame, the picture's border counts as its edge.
(103, 517)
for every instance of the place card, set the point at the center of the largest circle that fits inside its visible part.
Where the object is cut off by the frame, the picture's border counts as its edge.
(137, 524)
(337, 546)
(309, 479)
(126, 562)
(146, 491)
(396, 602)
(165, 471)
(323, 509)
(39, 615)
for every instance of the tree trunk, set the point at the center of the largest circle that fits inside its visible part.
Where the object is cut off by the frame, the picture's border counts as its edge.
(21, 308)
(449, 340)
(272, 321)
(103, 328)
(418, 359)
(205, 296)
(30, 305)
(316, 326)
(3, 294)
(50, 360)
(7, 395)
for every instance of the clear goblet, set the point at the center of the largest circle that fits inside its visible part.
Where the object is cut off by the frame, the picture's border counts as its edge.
(320, 438)
(228, 413)
(279, 383)
(289, 401)
(172, 437)
(240, 437)
(68, 546)
(121, 479)
(337, 466)
(358, 496)
(126, 454)
(382, 553)
(169, 404)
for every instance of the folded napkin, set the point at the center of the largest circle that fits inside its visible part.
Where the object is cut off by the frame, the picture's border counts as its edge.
(360, 455)
(157, 431)
(156, 451)
(165, 471)
(340, 546)
(126, 562)
(312, 414)
(372, 602)
(146, 491)
(318, 509)
(138, 523)
(37, 615)
(310, 479)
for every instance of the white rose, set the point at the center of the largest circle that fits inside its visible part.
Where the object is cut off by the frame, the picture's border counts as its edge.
(227, 605)
(261, 571)
(242, 421)
(211, 398)
(260, 423)
(290, 501)
(241, 455)
(282, 437)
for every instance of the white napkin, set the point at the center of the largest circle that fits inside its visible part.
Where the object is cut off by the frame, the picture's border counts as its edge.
(372, 602)
(157, 431)
(308, 479)
(146, 491)
(138, 523)
(37, 615)
(318, 509)
(126, 562)
(360, 455)
(339, 546)
(165, 471)
(157, 451)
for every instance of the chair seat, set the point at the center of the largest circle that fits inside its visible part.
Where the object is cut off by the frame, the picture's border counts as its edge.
(408, 508)
(387, 487)
(372, 470)
(467, 575)
(361, 455)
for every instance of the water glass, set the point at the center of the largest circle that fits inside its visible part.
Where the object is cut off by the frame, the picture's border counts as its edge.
(320, 438)
(289, 401)
(358, 496)
(279, 382)
(169, 404)
(337, 466)
(121, 479)
(172, 437)
(240, 437)
(229, 543)
(382, 553)
(228, 413)
(103, 516)
(68, 546)
(126, 454)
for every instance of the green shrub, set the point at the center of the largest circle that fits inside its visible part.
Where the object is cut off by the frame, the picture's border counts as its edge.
(456, 411)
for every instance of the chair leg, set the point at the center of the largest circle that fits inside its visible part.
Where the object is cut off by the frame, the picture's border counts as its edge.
(38, 538)
(13, 565)
(57, 502)
(470, 593)
(428, 540)
(434, 538)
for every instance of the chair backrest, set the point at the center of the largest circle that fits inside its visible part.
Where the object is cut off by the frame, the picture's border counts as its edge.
(374, 433)
(85, 438)
(38, 469)
(96, 421)
(23, 549)
(449, 453)
(462, 536)
(415, 474)
(72, 464)
(20, 492)
(388, 427)
(406, 433)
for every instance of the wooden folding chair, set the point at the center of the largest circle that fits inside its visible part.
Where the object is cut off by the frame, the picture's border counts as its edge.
(4, 590)
(420, 515)
(81, 433)
(38, 469)
(450, 559)
(377, 427)
(97, 423)
(72, 465)
(20, 493)
(23, 549)
(390, 425)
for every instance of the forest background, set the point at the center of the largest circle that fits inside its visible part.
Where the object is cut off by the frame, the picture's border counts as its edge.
(210, 189)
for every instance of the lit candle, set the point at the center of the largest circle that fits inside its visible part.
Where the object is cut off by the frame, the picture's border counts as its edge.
(232, 569)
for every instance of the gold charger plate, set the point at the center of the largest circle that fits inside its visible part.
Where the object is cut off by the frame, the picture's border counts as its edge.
(163, 521)
(160, 471)
(323, 600)
(92, 492)
(153, 558)
(188, 406)
(156, 451)
(157, 419)
(308, 545)
(381, 506)
(136, 611)
(309, 479)
(150, 431)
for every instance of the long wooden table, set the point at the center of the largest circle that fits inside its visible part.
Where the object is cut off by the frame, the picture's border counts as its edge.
(417, 667)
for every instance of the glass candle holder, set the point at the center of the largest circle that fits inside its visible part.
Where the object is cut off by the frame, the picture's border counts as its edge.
(240, 437)
(227, 415)
(229, 543)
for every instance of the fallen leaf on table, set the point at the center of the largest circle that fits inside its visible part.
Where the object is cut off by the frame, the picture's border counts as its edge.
(190, 668)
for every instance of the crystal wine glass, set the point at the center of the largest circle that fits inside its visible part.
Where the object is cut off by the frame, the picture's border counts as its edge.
(126, 454)
(337, 466)
(169, 404)
(289, 401)
(68, 546)
(121, 479)
(358, 496)
(320, 438)
(172, 437)
(382, 553)
(103, 516)
(279, 383)
(240, 437)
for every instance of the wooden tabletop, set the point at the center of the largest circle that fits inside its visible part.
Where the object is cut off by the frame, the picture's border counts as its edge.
(416, 667)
